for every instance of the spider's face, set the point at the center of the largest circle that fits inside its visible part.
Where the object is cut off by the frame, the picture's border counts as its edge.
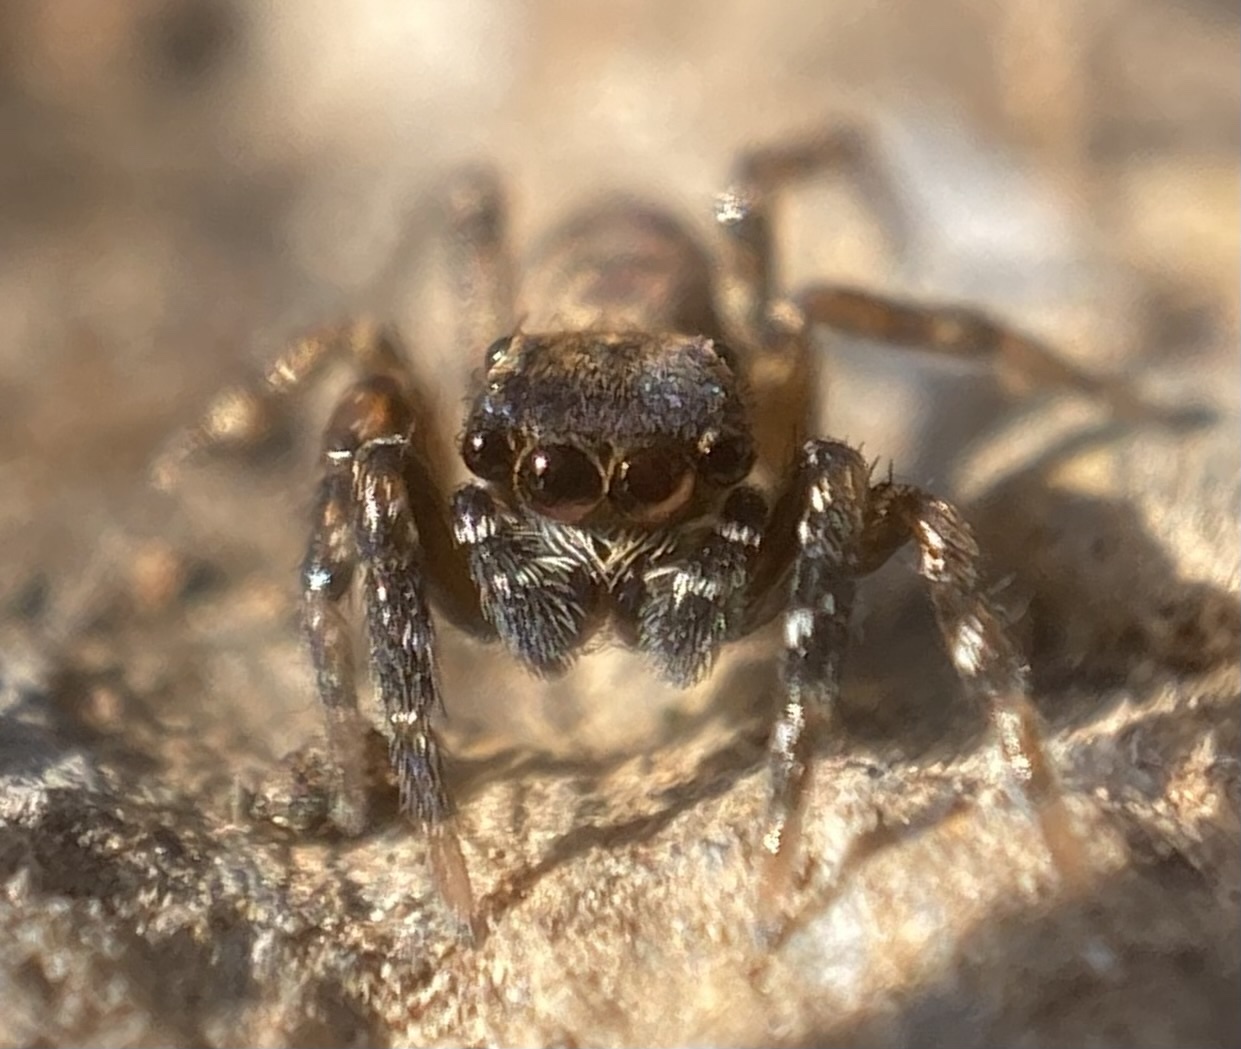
(637, 427)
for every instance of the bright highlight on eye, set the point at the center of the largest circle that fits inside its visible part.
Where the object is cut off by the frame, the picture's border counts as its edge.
(561, 481)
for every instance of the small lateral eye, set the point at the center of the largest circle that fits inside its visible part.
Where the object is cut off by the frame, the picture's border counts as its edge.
(725, 353)
(497, 350)
(488, 454)
(652, 483)
(561, 482)
(726, 459)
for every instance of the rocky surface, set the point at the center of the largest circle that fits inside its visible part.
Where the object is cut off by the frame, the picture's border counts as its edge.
(188, 184)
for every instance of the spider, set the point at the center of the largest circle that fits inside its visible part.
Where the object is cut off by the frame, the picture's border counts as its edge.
(638, 469)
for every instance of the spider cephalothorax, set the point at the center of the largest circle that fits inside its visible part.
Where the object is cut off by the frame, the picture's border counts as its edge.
(609, 429)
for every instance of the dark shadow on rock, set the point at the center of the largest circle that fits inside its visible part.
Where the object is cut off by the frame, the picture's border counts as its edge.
(1140, 963)
(1096, 601)
(715, 775)
(1105, 600)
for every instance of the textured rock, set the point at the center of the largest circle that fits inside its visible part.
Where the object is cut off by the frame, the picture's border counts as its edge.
(253, 176)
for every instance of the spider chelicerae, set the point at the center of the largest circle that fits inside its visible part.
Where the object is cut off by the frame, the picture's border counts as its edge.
(635, 443)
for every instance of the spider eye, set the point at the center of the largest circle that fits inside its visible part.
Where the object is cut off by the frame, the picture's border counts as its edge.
(652, 483)
(561, 482)
(488, 454)
(497, 350)
(725, 460)
(725, 353)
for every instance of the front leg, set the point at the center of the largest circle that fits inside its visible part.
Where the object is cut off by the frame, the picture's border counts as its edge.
(825, 508)
(365, 517)
(845, 529)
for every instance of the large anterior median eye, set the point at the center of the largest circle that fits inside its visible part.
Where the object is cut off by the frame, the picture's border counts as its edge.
(652, 483)
(561, 482)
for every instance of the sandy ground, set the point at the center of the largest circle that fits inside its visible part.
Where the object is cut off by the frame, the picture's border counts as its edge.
(183, 186)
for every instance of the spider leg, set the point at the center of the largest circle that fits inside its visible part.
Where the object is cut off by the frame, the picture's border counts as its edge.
(745, 210)
(986, 658)
(844, 529)
(692, 603)
(479, 259)
(961, 332)
(365, 518)
(754, 311)
(828, 501)
(240, 416)
(783, 371)
(327, 573)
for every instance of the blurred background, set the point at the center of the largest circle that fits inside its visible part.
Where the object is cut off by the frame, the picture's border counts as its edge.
(186, 184)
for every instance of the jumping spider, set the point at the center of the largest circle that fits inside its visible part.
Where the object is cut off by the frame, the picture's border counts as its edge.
(637, 461)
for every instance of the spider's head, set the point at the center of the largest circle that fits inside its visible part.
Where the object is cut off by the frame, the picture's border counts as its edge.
(577, 425)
